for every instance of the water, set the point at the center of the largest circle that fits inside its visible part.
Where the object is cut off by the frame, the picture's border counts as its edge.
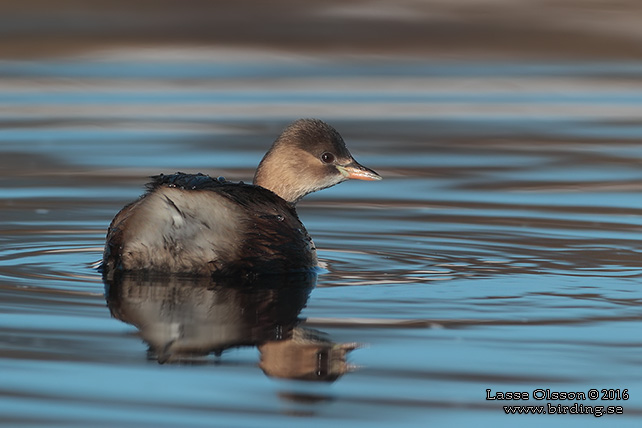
(501, 251)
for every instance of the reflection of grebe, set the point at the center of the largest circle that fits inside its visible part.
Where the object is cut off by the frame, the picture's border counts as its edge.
(197, 224)
(307, 355)
(182, 317)
(185, 318)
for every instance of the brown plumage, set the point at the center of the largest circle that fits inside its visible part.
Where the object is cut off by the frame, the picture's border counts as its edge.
(195, 224)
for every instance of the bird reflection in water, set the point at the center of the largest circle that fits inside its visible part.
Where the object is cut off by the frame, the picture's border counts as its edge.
(183, 319)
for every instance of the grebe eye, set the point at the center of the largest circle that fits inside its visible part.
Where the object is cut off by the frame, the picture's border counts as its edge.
(327, 157)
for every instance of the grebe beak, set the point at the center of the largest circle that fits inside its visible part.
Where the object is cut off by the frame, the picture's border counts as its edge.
(358, 172)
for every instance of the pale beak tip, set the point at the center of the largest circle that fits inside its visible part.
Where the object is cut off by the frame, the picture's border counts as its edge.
(366, 177)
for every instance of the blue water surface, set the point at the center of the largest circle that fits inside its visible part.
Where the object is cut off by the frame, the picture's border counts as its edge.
(501, 251)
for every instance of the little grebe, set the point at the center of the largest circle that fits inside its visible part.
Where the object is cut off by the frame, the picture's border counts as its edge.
(191, 223)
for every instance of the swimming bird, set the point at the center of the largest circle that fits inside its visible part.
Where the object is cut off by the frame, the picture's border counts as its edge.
(196, 224)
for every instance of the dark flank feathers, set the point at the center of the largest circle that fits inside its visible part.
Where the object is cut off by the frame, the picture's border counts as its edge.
(274, 239)
(271, 236)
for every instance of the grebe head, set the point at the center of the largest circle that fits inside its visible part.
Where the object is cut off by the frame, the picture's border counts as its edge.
(309, 155)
